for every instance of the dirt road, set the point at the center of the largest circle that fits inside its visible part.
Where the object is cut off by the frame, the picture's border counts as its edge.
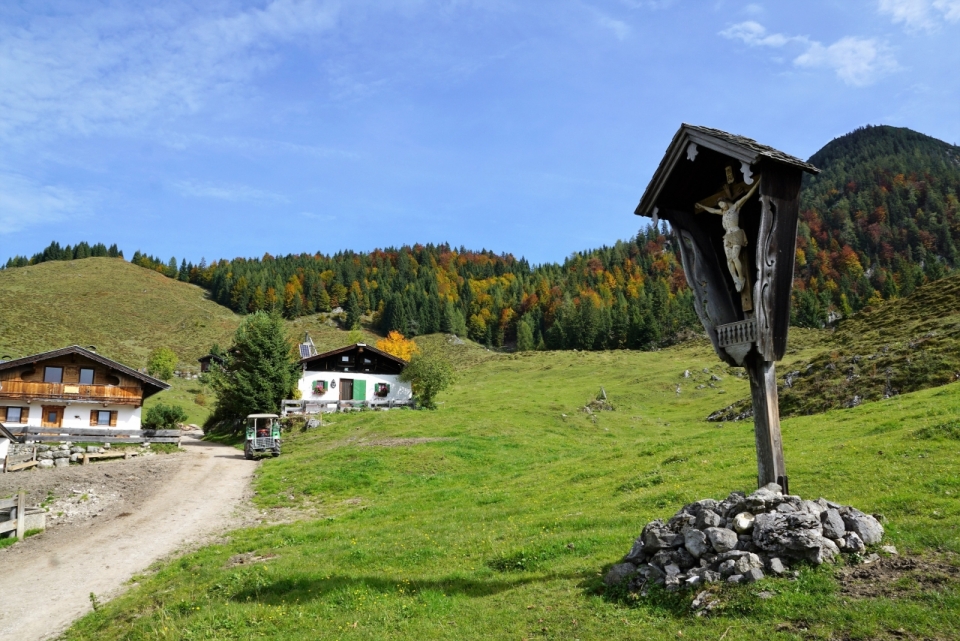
(137, 511)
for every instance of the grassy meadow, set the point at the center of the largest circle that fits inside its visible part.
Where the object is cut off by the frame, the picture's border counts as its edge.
(495, 516)
(126, 312)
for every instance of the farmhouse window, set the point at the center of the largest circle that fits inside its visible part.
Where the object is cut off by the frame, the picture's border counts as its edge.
(86, 376)
(14, 414)
(103, 417)
(381, 389)
(52, 374)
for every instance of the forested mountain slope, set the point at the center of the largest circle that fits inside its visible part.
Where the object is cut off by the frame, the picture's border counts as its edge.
(880, 220)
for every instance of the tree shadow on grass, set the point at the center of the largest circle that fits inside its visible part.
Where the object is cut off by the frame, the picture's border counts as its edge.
(301, 589)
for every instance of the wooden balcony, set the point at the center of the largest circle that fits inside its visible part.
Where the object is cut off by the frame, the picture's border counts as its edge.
(29, 391)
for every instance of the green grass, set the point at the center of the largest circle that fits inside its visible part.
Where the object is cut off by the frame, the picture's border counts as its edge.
(503, 530)
(126, 311)
(902, 346)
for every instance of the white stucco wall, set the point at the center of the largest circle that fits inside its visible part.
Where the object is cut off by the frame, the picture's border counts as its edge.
(78, 415)
(399, 391)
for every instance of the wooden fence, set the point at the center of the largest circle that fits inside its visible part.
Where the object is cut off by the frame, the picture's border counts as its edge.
(303, 407)
(18, 509)
(93, 435)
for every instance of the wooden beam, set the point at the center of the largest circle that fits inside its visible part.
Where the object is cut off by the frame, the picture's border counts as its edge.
(8, 526)
(21, 514)
(93, 457)
(22, 466)
(766, 421)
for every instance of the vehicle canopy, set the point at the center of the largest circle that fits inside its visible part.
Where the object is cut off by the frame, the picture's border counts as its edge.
(263, 425)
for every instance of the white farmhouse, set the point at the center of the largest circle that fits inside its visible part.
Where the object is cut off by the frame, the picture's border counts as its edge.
(356, 375)
(73, 387)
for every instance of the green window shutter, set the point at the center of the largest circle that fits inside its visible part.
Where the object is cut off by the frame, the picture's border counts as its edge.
(359, 390)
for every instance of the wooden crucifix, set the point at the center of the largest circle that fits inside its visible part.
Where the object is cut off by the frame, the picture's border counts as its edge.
(739, 262)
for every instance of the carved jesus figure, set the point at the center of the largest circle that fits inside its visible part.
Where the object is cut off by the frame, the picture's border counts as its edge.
(735, 238)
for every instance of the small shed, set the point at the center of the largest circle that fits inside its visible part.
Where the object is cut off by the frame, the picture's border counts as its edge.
(206, 361)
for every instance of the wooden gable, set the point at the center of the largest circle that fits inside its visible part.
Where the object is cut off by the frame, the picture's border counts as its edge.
(359, 358)
(701, 167)
(75, 374)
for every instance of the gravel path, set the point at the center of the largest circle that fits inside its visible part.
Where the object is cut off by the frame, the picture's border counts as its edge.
(117, 517)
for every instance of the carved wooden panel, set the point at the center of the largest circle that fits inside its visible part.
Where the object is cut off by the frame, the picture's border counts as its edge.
(775, 253)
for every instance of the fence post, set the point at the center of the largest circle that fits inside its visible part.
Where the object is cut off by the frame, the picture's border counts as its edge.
(21, 514)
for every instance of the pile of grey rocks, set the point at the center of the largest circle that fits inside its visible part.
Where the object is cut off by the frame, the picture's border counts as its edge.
(741, 538)
(62, 455)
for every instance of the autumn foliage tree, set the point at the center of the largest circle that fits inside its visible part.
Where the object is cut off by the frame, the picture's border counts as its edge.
(396, 344)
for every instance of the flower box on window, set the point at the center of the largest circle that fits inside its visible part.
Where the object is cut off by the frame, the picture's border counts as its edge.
(381, 389)
(320, 387)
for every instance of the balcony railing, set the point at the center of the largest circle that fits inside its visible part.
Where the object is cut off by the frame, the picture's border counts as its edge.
(27, 390)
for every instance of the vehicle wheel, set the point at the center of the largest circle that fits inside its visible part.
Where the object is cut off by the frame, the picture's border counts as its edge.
(276, 452)
(247, 452)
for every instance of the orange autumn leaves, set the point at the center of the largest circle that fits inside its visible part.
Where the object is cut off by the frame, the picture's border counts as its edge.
(397, 345)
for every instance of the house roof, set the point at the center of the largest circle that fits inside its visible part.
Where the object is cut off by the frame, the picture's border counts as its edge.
(746, 150)
(211, 357)
(350, 348)
(103, 360)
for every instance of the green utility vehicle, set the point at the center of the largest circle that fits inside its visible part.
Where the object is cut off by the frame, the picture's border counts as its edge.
(263, 435)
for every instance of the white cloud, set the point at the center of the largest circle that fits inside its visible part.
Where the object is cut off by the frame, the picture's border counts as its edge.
(232, 193)
(755, 34)
(619, 28)
(321, 217)
(25, 202)
(921, 14)
(856, 61)
(108, 68)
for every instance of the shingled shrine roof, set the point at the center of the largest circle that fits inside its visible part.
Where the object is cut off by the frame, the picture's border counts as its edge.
(746, 150)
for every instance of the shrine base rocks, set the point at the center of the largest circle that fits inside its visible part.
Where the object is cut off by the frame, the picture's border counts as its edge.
(741, 539)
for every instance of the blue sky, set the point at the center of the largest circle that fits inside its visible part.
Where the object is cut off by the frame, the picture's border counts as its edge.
(220, 129)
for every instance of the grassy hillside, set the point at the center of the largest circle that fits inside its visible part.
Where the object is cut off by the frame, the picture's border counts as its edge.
(899, 346)
(126, 312)
(500, 525)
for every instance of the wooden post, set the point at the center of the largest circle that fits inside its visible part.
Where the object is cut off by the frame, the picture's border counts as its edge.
(766, 421)
(21, 514)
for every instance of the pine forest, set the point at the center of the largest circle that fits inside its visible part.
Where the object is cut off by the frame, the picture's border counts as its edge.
(881, 219)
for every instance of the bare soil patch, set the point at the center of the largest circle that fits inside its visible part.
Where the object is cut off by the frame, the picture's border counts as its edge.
(97, 490)
(900, 576)
(400, 442)
(248, 558)
(118, 517)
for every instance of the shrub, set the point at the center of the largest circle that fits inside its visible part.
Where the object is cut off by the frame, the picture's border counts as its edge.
(429, 374)
(161, 363)
(164, 417)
